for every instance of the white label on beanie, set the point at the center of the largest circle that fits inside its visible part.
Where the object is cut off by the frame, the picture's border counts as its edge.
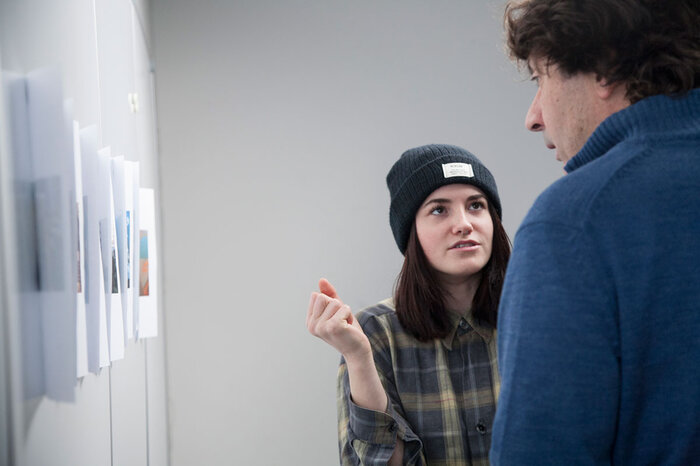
(457, 169)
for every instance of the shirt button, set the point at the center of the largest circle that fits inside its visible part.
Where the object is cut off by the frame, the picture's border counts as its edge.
(481, 427)
(392, 427)
(463, 324)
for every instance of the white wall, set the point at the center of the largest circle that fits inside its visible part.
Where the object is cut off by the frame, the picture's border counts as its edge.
(278, 121)
(119, 415)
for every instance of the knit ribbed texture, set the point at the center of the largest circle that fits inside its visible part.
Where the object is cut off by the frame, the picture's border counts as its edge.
(670, 114)
(419, 172)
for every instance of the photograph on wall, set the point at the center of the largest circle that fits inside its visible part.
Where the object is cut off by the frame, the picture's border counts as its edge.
(81, 337)
(143, 260)
(50, 140)
(115, 318)
(93, 278)
(115, 281)
(131, 195)
(50, 231)
(103, 331)
(117, 341)
(119, 208)
(15, 93)
(128, 249)
(78, 258)
(148, 262)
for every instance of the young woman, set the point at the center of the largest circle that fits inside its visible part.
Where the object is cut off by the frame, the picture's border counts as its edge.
(418, 380)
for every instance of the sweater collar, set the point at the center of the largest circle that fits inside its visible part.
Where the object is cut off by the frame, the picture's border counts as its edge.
(655, 114)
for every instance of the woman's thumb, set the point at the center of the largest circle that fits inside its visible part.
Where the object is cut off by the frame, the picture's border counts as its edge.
(325, 287)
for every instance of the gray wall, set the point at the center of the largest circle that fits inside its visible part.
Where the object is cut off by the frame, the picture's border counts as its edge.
(278, 121)
(119, 415)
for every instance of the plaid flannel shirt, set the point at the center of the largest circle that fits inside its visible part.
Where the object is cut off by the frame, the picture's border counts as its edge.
(442, 394)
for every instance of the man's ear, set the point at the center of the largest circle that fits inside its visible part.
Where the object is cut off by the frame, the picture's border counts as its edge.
(612, 96)
(606, 90)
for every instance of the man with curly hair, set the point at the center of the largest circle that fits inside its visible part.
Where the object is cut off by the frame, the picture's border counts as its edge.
(599, 322)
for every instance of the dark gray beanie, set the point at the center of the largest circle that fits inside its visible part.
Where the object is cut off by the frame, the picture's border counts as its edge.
(422, 170)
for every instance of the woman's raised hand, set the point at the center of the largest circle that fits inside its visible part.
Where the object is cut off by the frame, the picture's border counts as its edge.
(333, 322)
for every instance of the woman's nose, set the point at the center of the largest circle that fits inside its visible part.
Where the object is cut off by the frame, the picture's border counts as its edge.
(462, 225)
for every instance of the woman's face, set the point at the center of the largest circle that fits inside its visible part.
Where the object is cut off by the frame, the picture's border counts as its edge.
(455, 230)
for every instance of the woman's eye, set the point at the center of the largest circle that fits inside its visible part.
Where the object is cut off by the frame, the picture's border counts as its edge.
(437, 210)
(477, 205)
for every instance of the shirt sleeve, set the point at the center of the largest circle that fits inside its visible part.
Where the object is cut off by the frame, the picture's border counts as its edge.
(368, 437)
(558, 352)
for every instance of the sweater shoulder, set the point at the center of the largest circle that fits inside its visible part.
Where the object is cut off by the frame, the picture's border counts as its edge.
(570, 201)
(604, 191)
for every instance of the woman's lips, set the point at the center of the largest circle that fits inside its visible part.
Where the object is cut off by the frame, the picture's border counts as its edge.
(465, 245)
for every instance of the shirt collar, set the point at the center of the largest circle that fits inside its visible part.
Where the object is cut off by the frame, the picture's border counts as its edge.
(483, 330)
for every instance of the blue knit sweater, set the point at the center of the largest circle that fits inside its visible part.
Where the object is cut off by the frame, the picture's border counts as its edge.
(599, 324)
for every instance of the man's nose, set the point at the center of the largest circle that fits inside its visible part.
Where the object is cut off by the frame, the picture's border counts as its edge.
(533, 119)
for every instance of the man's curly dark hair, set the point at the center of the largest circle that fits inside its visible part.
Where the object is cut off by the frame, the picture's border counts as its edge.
(652, 46)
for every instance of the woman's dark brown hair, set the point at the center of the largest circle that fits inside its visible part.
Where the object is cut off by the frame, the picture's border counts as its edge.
(652, 46)
(418, 296)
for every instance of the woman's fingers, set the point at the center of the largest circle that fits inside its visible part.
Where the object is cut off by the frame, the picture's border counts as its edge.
(332, 307)
(310, 310)
(332, 321)
(321, 309)
(319, 305)
(343, 315)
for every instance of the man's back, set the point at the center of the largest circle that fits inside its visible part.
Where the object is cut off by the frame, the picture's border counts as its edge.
(600, 316)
